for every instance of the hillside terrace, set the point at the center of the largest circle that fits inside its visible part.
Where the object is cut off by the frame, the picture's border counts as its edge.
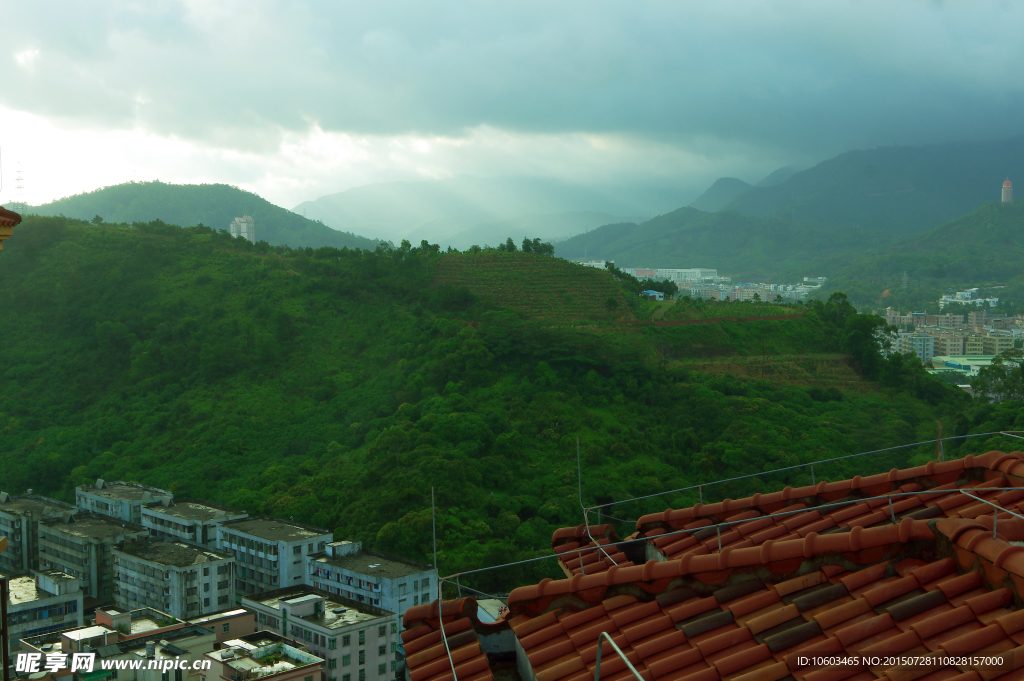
(924, 562)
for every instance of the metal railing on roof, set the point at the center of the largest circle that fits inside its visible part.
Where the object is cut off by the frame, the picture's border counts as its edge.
(618, 651)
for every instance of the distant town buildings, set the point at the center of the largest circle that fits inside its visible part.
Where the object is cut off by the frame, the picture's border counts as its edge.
(270, 553)
(181, 580)
(42, 602)
(194, 522)
(355, 640)
(953, 335)
(692, 275)
(968, 297)
(396, 584)
(1007, 191)
(121, 500)
(19, 522)
(244, 227)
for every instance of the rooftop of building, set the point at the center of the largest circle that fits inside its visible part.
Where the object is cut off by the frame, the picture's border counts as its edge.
(374, 564)
(909, 562)
(338, 612)
(34, 504)
(24, 588)
(8, 218)
(218, 616)
(141, 620)
(188, 509)
(276, 658)
(94, 526)
(168, 553)
(124, 491)
(274, 529)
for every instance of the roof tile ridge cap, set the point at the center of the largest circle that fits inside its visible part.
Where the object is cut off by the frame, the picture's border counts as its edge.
(1006, 553)
(808, 544)
(996, 459)
(766, 551)
(953, 528)
(894, 475)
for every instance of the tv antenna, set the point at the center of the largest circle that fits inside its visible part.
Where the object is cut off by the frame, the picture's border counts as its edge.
(19, 188)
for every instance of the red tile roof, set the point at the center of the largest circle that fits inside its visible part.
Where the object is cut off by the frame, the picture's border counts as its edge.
(568, 542)
(934, 582)
(426, 655)
(8, 219)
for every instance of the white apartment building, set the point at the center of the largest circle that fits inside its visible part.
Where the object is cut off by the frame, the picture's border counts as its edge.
(81, 546)
(121, 500)
(193, 522)
(357, 641)
(42, 602)
(244, 227)
(694, 274)
(182, 580)
(269, 553)
(19, 522)
(371, 577)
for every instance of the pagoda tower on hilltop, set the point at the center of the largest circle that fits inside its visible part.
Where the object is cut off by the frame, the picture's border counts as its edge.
(1007, 191)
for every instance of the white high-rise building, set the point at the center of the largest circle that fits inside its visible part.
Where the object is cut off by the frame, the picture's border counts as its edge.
(244, 227)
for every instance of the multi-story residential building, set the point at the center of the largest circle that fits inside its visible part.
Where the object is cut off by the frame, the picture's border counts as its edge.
(994, 345)
(974, 344)
(952, 344)
(194, 522)
(269, 553)
(378, 579)
(920, 344)
(19, 522)
(42, 602)
(274, 662)
(182, 580)
(80, 545)
(121, 500)
(357, 641)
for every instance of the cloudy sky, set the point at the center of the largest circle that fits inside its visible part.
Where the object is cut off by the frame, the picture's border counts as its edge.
(299, 99)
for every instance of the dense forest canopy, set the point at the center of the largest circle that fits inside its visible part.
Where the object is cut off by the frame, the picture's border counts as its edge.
(339, 386)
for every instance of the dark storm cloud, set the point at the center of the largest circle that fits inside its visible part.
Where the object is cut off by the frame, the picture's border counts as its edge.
(795, 77)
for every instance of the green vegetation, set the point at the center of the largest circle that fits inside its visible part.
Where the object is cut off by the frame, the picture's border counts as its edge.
(747, 248)
(982, 249)
(689, 309)
(210, 204)
(338, 386)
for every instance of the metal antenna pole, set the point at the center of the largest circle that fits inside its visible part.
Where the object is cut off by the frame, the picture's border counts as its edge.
(433, 523)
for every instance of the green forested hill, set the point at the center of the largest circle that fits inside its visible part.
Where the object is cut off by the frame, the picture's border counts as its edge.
(983, 248)
(902, 190)
(337, 387)
(748, 248)
(214, 205)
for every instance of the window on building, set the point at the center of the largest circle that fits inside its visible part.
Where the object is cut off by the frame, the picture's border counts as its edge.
(332, 663)
(362, 675)
(382, 630)
(415, 600)
(309, 549)
(222, 600)
(346, 677)
(206, 572)
(346, 640)
(362, 636)
(394, 647)
(425, 583)
(394, 628)
(206, 602)
(297, 550)
(362, 657)
(393, 663)
(382, 668)
(227, 627)
(332, 643)
(382, 650)
(308, 678)
(346, 660)
(206, 587)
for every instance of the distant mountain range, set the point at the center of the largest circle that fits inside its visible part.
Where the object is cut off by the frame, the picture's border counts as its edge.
(747, 248)
(906, 190)
(725, 189)
(463, 211)
(214, 205)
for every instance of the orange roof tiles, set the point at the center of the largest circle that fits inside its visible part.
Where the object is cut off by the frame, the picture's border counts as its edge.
(8, 220)
(943, 579)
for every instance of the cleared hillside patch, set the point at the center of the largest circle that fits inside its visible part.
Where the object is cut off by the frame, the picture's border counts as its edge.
(536, 286)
